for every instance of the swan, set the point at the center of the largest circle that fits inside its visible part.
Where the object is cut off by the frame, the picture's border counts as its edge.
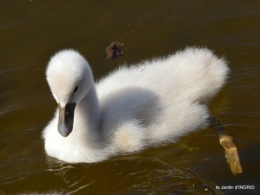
(151, 103)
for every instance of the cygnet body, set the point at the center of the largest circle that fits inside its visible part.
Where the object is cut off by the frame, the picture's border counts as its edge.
(134, 107)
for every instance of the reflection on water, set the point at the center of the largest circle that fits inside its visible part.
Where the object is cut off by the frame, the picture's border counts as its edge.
(151, 174)
(31, 31)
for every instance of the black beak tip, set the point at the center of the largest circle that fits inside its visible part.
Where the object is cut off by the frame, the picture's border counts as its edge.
(64, 131)
(64, 134)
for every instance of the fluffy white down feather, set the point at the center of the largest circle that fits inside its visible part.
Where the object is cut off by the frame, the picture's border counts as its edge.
(147, 104)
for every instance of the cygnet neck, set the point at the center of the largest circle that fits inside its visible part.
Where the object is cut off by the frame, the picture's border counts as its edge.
(87, 116)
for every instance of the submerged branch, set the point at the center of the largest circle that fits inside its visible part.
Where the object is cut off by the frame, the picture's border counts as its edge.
(227, 143)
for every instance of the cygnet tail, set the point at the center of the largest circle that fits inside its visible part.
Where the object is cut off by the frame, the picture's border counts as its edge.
(205, 73)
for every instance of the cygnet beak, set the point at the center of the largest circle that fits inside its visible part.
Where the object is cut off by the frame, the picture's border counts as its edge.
(66, 118)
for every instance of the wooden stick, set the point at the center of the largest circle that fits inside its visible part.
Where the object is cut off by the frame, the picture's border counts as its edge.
(227, 143)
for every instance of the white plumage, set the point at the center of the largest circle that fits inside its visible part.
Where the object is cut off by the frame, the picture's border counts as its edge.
(147, 104)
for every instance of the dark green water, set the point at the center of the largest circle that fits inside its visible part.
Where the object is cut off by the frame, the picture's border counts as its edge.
(32, 31)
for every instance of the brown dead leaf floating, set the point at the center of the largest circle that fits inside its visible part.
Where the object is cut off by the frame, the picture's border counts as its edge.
(227, 143)
(114, 50)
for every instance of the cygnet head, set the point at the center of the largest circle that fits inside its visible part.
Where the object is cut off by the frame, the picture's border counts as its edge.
(70, 78)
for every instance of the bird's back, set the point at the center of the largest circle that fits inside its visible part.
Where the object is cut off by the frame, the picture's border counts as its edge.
(163, 93)
(193, 74)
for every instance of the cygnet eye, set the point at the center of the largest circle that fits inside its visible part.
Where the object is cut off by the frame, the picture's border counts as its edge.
(76, 89)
